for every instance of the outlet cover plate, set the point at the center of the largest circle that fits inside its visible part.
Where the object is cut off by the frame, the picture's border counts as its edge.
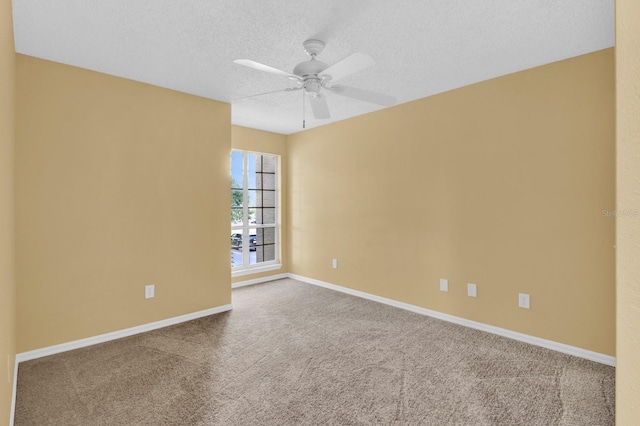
(149, 291)
(472, 290)
(524, 301)
(444, 284)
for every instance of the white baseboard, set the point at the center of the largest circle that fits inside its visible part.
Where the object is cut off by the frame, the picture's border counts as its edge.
(76, 344)
(537, 341)
(259, 280)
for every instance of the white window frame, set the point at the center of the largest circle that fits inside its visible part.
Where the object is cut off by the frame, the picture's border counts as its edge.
(271, 265)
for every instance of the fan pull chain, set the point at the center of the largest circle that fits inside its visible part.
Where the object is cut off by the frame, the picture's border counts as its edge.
(303, 122)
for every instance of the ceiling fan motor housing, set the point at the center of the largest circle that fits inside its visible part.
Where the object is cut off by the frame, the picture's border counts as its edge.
(309, 69)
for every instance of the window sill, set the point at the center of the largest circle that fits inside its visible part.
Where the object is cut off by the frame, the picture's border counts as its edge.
(256, 270)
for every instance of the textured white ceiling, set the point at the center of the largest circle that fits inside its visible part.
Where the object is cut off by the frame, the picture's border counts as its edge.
(421, 47)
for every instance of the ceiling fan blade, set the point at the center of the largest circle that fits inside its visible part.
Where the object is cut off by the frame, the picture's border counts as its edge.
(319, 106)
(363, 95)
(288, 89)
(266, 68)
(349, 65)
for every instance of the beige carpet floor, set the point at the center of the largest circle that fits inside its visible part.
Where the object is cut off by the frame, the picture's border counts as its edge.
(294, 354)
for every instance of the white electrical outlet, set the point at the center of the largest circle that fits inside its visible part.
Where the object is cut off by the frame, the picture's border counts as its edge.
(149, 291)
(472, 290)
(524, 301)
(444, 284)
(335, 263)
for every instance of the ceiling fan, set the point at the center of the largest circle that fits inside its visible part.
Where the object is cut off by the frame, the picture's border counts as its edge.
(314, 77)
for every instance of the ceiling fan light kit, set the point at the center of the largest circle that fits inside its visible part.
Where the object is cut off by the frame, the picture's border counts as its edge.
(314, 77)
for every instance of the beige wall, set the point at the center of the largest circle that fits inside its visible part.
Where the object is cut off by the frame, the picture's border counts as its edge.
(246, 139)
(628, 199)
(118, 185)
(7, 282)
(501, 184)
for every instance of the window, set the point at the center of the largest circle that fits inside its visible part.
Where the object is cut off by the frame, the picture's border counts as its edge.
(254, 212)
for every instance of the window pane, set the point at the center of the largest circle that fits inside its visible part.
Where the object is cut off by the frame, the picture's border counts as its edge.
(268, 163)
(236, 258)
(236, 249)
(266, 216)
(268, 181)
(268, 198)
(257, 257)
(236, 240)
(236, 198)
(252, 239)
(259, 198)
(258, 181)
(236, 207)
(252, 216)
(269, 235)
(236, 216)
(236, 169)
(256, 161)
(255, 198)
(269, 253)
(251, 170)
(265, 236)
